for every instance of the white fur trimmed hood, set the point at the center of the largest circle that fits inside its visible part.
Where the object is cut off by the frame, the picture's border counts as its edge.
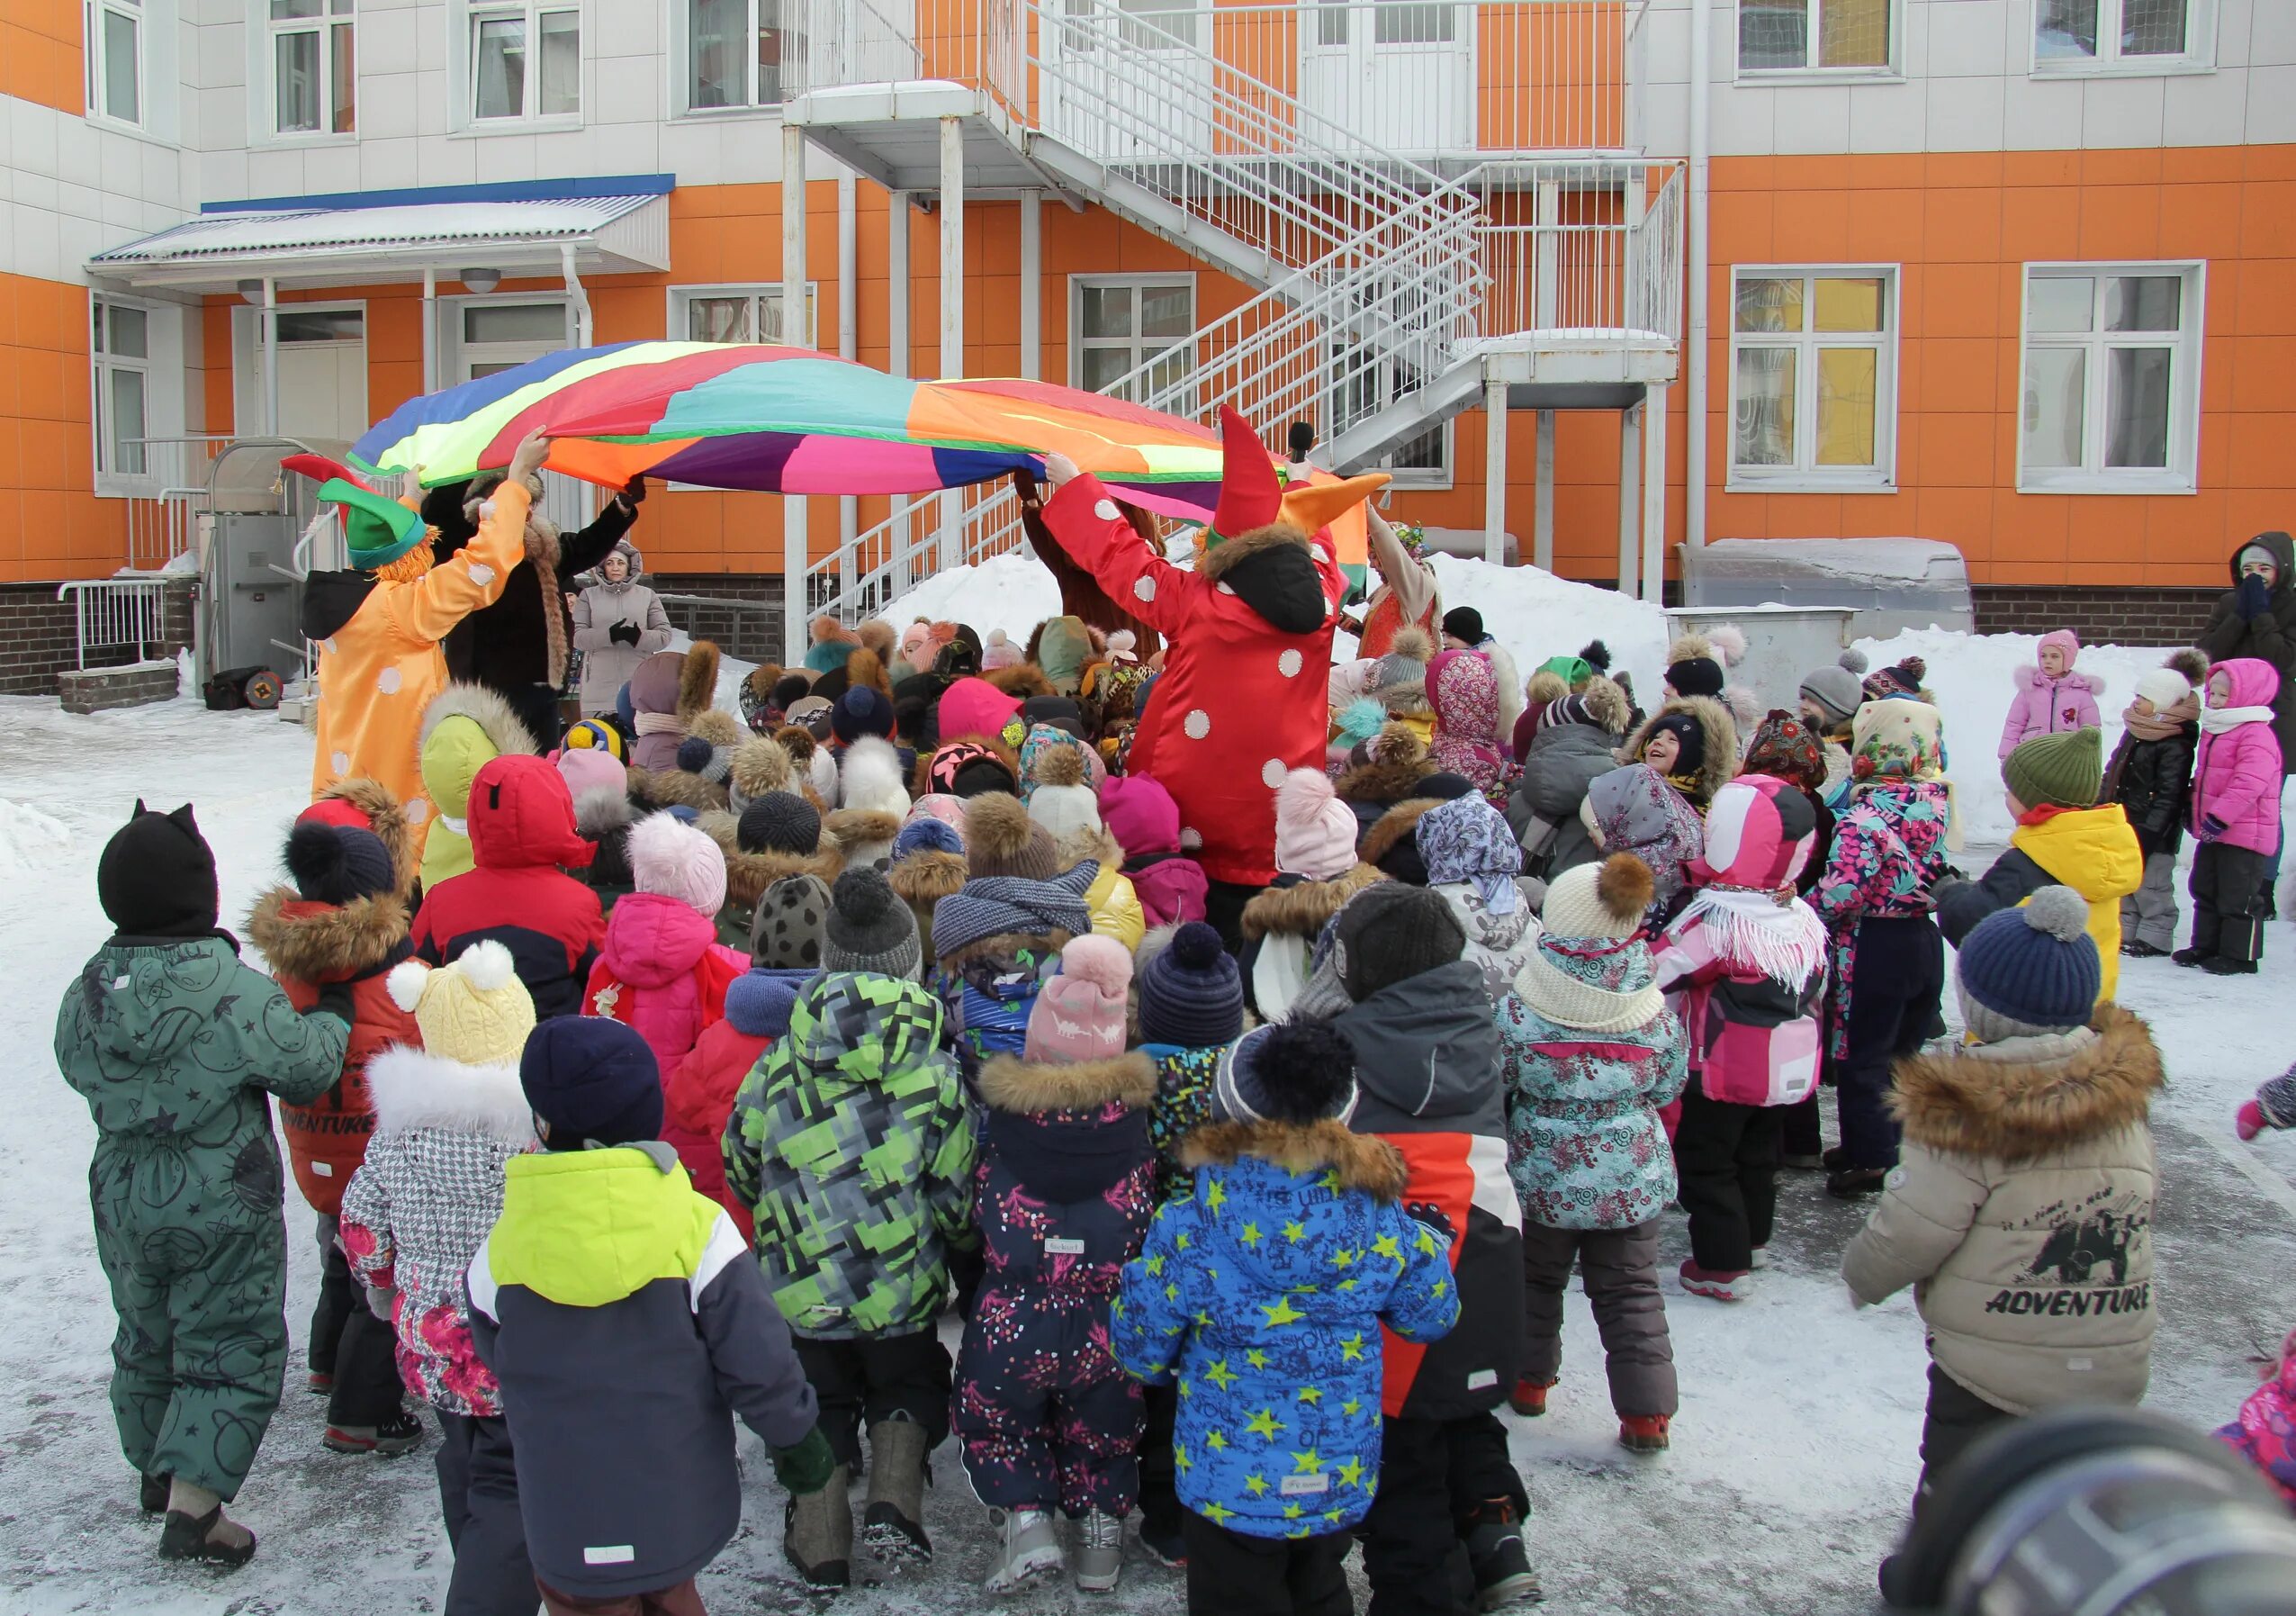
(412, 1088)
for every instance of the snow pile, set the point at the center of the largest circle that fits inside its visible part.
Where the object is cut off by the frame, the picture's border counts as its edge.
(1013, 592)
(29, 839)
(1536, 615)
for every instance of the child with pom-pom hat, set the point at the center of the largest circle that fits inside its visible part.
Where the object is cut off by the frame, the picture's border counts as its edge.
(1066, 1178)
(1589, 1053)
(663, 969)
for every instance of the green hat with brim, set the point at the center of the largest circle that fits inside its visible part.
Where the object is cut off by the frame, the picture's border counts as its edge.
(376, 529)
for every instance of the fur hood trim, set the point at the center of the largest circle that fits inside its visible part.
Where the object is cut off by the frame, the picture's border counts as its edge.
(1023, 678)
(2072, 679)
(331, 942)
(1225, 556)
(697, 681)
(387, 820)
(1363, 1161)
(414, 1088)
(495, 717)
(1377, 782)
(1089, 842)
(674, 787)
(1302, 911)
(1401, 821)
(1032, 1088)
(924, 879)
(748, 874)
(602, 810)
(1963, 1104)
(1719, 730)
(852, 828)
(1000, 948)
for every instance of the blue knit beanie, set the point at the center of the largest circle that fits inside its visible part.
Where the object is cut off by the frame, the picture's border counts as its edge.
(2029, 970)
(592, 1081)
(1190, 993)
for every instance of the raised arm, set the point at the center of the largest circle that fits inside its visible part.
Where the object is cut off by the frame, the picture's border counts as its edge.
(1090, 528)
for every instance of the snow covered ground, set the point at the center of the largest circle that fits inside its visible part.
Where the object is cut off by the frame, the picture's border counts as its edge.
(1793, 1456)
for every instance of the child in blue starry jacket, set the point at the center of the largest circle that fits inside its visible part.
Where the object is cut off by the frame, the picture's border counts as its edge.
(1262, 1292)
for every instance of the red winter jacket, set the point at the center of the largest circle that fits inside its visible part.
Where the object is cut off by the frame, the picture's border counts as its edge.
(310, 945)
(521, 824)
(663, 973)
(696, 1099)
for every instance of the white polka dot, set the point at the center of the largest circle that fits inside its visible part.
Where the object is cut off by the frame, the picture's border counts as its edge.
(1191, 839)
(1198, 724)
(418, 810)
(1289, 662)
(388, 681)
(340, 762)
(1227, 588)
(1106, 510)
(1144, 587)
(1271, 772)
(481, 573)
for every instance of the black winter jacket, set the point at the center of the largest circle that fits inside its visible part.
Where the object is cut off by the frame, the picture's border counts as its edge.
(2271, 636)
(506, 646)
(2152, 781)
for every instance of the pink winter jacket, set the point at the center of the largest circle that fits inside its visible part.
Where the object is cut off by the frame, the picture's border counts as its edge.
(2045, 706)
(663, 973)
(2236, 778)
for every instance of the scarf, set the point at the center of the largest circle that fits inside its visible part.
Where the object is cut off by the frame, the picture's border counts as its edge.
(1785, 942)
(660, 723)
(542, 551)
(1569, 1002)
(2218, 720)
(2162, 724)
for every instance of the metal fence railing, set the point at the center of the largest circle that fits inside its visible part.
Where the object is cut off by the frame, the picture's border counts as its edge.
(109, 614)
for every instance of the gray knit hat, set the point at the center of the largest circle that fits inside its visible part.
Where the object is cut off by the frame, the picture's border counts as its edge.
(785, 931)
(779, 822)
(1837, 689)
(1390, 932)
(870, 928)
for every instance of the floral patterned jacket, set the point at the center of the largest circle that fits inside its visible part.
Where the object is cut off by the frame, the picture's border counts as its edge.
(424, 1202)
(1888, 852)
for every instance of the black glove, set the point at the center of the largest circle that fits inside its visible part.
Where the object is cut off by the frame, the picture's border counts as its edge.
(1431, 1215)
(624, 633)
(633, 491)
(2253, 599)
(335, 999)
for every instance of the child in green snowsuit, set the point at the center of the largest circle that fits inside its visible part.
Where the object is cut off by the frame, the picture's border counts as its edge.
(174, 1044)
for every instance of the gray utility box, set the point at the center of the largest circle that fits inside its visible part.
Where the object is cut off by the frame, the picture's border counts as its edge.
(1784, 645)
(1890, 584)
(258, 608)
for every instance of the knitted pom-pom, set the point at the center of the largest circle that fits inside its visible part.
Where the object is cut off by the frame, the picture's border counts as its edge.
(1360, 719)
(404, 984)
(1915, 669)
(1412, 643)
(996, 637)
(1852, 659)
(2061, 911)
(1688, 647)
(2192, 664)
(1301, 796)
(798, 743)
(996, 827)
(760, 767)
(694, 754)
(1595, 655)
(1058, 766)
(1104, 961)
(486, 965)
(718, 727)
(314, 854)
(862, 900)
(1729, 643)
(1624, 886)
(1303, 1068)
(1195, 946)
(1397, 743)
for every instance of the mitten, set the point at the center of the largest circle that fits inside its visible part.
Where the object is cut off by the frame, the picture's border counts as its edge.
(1429, 1213)
(2212, 828)
(633, 491)
(335, 999)
(624, 634)
(2253, 599)
(808, 1466)
(2249, 1120)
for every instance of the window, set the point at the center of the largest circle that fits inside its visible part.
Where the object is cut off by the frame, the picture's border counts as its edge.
(2120, 36)
(1825, 36)
(1132, 336)
(738, 52)
(114, 54)
(735, 315)
(1137, 25)
(1393, 23)
(1364, 389)
(1814, 377)
(120, 345)
(2111, 383)
(526, 61)
(313, 79)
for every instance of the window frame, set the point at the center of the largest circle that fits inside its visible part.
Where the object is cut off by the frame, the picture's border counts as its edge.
(1079, 344)
(266, 32)
(1805, 476)
(97, 56)
(103, 363)
(679, 15)
(1892, 70)
(470, 15)
(2199, 54)
(2182, 475)
(680, 299)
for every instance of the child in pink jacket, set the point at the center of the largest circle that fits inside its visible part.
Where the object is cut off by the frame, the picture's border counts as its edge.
(2236, 816)
(662, 970)
(2051, 697)
(1745, 971)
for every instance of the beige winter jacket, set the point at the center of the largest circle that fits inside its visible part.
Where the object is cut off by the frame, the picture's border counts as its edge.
(2022, 1213)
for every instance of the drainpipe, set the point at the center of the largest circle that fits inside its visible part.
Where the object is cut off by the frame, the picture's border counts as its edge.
(575, 290)
(429, 329)
(1693, 442)
(271, 355)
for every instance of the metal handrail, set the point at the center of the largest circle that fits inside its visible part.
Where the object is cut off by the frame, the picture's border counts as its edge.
(115, 607)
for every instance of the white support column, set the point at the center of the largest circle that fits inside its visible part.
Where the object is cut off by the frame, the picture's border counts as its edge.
(1542, 529)
(794, 545)
(271, 355)
(849, 328)
(430, 331)
(1700, 204)
(897, 359)
(1032, 286)
(1630, 497)
(1654, 496)
(1494, 470)
(1546, 296)
(952, 308)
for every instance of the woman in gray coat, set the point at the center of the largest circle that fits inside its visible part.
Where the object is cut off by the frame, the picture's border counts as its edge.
(618, 623)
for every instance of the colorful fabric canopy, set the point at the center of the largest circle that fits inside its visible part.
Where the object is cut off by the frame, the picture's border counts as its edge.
(788, 420)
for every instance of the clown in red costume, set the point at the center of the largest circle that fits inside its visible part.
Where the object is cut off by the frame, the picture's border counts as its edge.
(1242, 700)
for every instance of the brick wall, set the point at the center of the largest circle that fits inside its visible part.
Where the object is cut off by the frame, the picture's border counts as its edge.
(751, 636)
(2099, 615)
(37, 637)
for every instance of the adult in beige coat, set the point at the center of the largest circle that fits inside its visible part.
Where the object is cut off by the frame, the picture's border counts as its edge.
(2021, 1208)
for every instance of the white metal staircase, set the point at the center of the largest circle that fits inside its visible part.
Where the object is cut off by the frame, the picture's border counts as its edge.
(1387, 289)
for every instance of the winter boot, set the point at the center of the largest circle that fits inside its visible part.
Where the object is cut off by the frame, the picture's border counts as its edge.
(893, 1523)
(2138, 949)
(1100, 1551)
(151, 1495)
(1028, 1551)
(2190, 956)
(1643, 1433)
(1720, 1285)
(1528, 1398)
(197, 1529)
(1835, 1158)
(1163, 1541)
(2218, 965)
(1851, 1182)
(401, 1433)
(1500, 1564)
(1801, 1163)
(319, 1383)
(817, 1533)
